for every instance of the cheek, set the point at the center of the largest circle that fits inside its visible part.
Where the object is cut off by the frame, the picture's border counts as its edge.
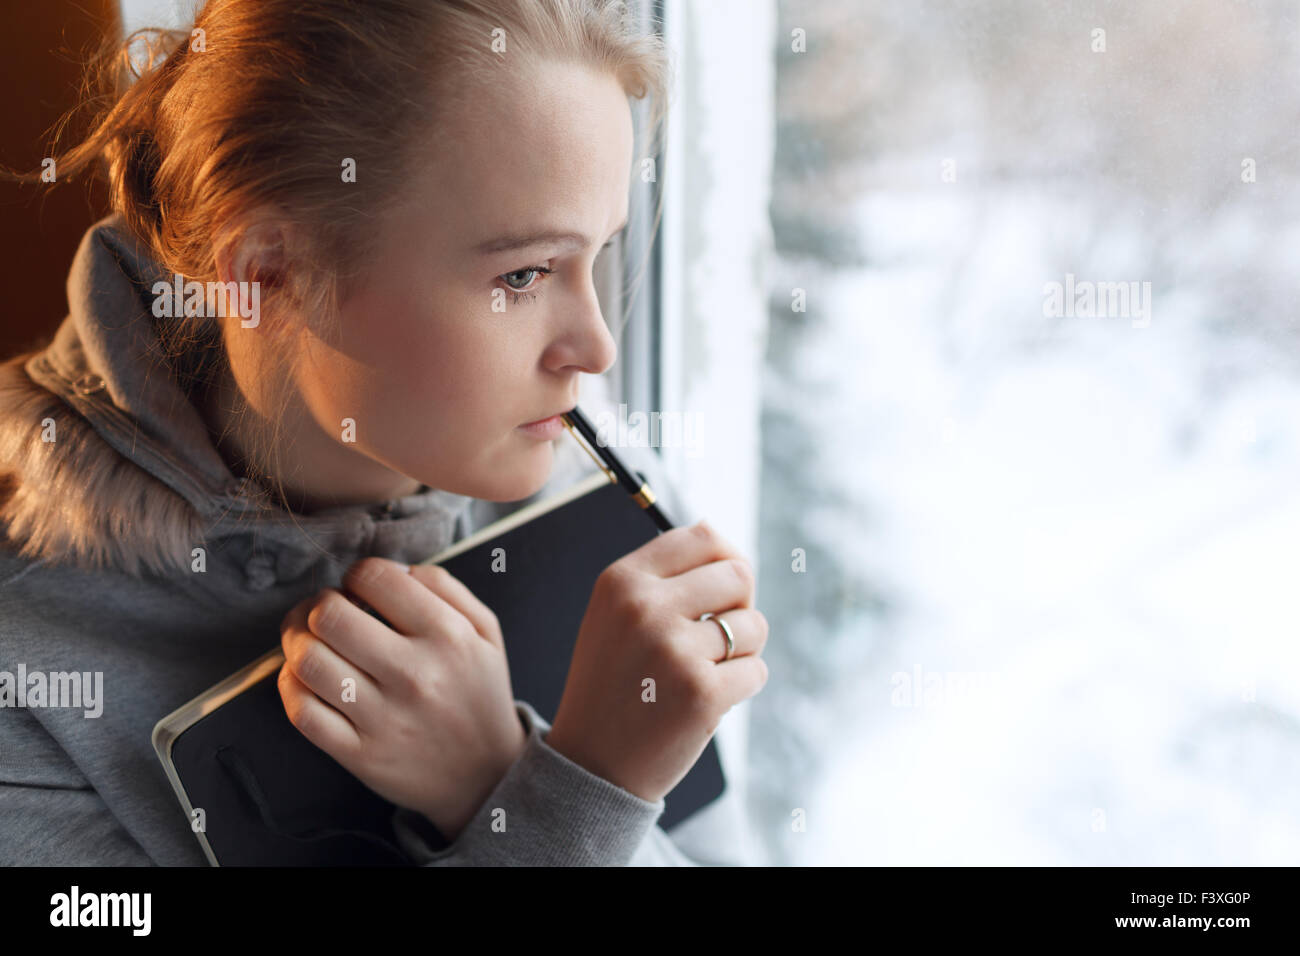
(398, 346)
(463, 358)
(437, 359)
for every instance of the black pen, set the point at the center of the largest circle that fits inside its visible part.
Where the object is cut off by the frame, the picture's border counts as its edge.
(635, 485)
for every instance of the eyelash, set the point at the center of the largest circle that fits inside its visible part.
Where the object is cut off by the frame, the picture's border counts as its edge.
(519, 293)
(540, 270)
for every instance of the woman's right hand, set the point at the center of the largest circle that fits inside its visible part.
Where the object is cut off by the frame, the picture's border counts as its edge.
(642, 624)
(428, 720)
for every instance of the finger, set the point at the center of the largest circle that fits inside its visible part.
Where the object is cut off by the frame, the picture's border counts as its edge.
(318, 722)
(386, 587)
(741, 677)
(331, 677)
(352, 633)
(717, 587)
(679, 550)
(454, 591)
(403, 598)
(748, 630)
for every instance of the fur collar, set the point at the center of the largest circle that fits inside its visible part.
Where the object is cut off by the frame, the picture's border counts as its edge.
(76, 499)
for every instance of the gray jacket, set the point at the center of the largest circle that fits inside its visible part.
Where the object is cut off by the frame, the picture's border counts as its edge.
(108, 482)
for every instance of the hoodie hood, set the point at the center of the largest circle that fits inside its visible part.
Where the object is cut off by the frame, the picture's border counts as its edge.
(106, 463)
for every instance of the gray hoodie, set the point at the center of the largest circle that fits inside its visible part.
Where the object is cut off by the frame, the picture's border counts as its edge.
(108, 482)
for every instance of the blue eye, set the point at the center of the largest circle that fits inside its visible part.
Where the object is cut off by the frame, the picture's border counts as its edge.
(526, 278)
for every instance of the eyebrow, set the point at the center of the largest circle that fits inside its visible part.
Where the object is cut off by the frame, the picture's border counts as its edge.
(517, 242)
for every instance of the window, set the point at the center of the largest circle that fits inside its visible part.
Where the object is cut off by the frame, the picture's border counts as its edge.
(1032, 427)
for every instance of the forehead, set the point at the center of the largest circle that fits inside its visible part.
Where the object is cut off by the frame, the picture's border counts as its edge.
(550, 148)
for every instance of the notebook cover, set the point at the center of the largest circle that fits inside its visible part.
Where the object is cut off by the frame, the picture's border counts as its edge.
(271, 797)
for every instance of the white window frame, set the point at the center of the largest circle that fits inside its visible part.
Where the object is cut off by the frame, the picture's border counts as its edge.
(711, 324)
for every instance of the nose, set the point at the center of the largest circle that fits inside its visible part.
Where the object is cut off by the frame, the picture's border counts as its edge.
(586, 341)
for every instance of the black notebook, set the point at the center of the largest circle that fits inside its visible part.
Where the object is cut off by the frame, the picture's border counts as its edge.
(269, 797)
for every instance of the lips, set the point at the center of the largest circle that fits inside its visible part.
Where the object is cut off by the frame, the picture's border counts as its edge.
(550, 416)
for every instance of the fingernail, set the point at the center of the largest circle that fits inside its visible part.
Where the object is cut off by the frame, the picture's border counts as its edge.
(404, 567)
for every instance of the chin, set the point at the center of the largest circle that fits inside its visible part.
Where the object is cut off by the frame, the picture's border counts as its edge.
(521, 480)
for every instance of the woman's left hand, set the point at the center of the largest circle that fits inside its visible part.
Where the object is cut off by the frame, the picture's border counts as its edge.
(422, 711)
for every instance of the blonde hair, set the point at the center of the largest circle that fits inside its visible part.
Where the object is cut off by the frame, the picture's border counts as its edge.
(257, 107)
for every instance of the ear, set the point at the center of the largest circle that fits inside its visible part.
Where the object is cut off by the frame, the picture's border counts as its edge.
(253, 251)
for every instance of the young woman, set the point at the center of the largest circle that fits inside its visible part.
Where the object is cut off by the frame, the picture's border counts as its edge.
(402, 206)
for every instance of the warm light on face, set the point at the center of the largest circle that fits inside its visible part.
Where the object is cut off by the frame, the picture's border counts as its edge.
(440, 365)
